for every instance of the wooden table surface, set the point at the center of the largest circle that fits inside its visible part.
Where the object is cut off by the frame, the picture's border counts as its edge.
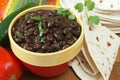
(70, 75)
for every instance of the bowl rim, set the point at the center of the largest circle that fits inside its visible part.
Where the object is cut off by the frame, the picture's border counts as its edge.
(46, 55)
(37, 53)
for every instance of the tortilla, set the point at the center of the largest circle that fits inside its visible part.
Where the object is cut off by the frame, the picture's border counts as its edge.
(101, 48)
(76, 66)
(110, 5)
(107, 10)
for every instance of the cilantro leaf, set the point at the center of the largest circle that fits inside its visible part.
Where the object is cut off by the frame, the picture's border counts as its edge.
(36, 18)
(71, 17)
(89, 4)
(20, 35)
(41, 27)
(43, 40)
(66, 13)
(79, 7)
(59, 11)
(63, 12)
(27, 16)
(94, 19)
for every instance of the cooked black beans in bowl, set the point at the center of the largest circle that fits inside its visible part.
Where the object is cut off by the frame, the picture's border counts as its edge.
(46, 31)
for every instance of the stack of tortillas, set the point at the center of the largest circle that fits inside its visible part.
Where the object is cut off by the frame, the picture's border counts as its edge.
(96, 60)
(98, 55)
(107, 10)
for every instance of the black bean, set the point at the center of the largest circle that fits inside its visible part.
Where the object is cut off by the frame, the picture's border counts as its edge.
(76, 32)
(37, 39)
(57, 36)
(46, 31)
(40, 50)
(27, 39)
(25, 46)
(18, 40)
(65, 31)
(21, 29)
(33, 13)
(31, 29)
(22, 44)
(46, 47)
(65, 46)
(21, 20)
(28, 26)
(17, 32)
(74, 25)
(70, 42)
(69, 28)
(45, 21)
(56, 46)
(62, 43)
(50, 37)
(29, 21)
(37, 46)
(69, 35)
(55, 41)
(59, 32)
(36, 32)
(50, 23)
(75, 39)
(30, 48)
(13, 29)
(50, 14)
(58, 23)
(79, 28)
(29, 33)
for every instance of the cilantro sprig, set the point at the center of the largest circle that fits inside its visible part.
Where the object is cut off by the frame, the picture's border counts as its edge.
(79, 7)
(36, 18)
(94, 19)
(20, 35)
(65, 12)
(27, 16)
(89, 5)
(43, 40)
(41, 26)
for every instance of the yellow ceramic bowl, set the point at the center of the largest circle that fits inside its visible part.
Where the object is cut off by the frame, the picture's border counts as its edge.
(41, 59)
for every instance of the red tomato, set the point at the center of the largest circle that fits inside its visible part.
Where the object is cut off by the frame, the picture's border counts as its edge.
(10, 69)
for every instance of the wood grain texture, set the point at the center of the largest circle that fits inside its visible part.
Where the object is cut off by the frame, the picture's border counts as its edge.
(115, 75)
(68, 75)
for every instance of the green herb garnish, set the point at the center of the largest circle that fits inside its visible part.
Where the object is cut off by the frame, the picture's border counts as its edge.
(89, 5)
(63, 12)
(27, 16)
(43, 40)
(36, 18)
(66, 13)
(71, 17)
(79, 7)
(20, 35)
(94, 19)
(41, 27)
